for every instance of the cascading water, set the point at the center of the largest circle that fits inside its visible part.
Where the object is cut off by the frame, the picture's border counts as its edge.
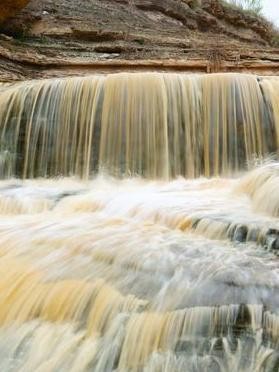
(155, 125)
(134, 235)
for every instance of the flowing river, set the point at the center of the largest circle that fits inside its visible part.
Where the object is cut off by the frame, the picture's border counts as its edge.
(139, 224)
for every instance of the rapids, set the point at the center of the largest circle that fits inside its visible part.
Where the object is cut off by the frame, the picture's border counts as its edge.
(136, 231)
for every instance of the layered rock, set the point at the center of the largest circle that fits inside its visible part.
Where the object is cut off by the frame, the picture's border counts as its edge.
(54, 38)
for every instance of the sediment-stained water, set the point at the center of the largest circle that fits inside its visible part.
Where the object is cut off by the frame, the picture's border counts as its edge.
(149, 124)
(139, 224)
(118, 275)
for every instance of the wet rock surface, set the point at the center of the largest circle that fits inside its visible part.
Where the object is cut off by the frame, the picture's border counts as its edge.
(267, 238)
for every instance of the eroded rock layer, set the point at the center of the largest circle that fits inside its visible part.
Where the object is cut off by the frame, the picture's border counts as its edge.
(53, 38)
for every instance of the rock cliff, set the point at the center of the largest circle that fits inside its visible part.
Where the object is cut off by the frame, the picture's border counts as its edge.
(67, 37)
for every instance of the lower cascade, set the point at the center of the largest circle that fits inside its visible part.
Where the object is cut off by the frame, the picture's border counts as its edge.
(139, 224)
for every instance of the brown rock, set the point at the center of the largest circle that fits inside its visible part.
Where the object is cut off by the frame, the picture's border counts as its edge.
(9, 8)
(69, 37)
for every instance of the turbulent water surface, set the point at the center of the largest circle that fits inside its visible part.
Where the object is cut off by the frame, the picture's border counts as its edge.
(113, 256)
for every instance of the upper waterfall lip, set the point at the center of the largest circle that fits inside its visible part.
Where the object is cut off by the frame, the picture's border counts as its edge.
(131, 74)
(127, 74)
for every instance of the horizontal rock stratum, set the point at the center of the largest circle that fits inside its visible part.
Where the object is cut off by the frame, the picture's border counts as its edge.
(61, 38)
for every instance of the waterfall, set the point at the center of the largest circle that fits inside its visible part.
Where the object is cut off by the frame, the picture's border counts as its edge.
(148, 124)
(139, 224)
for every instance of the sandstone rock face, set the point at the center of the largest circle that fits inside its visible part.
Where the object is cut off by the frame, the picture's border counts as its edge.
(9, 8)
(68, 37)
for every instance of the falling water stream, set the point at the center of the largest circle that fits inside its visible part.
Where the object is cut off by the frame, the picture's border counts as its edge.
(139, 224)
